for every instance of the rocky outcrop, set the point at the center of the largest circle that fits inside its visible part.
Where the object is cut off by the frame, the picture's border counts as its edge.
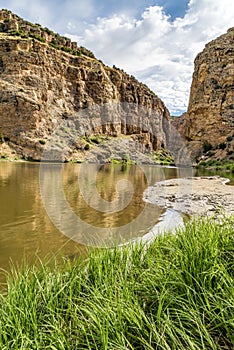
(15, 26)
(208, 125)
(42, 87)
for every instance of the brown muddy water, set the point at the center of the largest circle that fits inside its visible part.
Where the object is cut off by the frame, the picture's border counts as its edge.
(63, 210)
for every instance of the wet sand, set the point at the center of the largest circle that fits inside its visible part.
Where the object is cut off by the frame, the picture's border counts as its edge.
(195, 196)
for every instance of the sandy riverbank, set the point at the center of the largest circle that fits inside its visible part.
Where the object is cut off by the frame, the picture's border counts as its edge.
(197, 196)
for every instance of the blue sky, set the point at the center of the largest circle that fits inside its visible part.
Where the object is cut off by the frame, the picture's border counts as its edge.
(156, 41)
(58, 12)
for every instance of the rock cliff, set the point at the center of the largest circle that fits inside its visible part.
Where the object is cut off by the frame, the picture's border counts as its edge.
(208, 125)
(46, 80)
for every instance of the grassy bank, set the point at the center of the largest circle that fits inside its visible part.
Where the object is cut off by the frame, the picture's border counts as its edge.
(214, 164)
(176, 295)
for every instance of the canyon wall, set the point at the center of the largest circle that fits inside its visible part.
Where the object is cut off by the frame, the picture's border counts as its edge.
(42, 85)
(208, 125)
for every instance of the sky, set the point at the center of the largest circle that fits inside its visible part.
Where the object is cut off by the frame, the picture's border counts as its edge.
(156, 41)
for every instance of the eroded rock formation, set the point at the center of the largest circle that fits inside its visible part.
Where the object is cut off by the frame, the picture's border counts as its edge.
(41, 86)
(208, 125)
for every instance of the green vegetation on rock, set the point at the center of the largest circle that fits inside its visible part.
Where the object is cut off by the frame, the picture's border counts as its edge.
(163, 157)
(125, 159)
(27, 29)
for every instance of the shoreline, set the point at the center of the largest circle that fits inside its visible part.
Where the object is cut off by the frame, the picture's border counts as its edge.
(221, 168)
(194, 196)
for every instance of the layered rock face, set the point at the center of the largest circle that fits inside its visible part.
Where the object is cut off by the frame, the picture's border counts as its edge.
(208, 125)
(42, 86)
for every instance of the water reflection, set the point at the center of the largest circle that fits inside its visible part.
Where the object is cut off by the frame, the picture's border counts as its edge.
(97, 205)
(121, 205)
(214, 172)
(26, 229)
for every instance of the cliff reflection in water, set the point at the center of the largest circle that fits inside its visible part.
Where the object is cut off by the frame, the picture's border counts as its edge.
(126, 204)
(99, 205)
(26, 229)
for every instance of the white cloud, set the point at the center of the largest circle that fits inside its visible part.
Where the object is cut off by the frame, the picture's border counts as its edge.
(158, 51)
(55, 14)
(38, 12)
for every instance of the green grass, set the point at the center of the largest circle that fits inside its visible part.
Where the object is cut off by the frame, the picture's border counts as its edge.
(176, 294)
(217, 165)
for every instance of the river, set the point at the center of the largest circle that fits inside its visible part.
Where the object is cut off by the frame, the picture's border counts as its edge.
(36, 222)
